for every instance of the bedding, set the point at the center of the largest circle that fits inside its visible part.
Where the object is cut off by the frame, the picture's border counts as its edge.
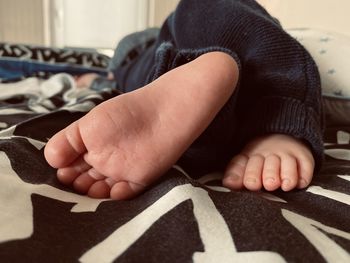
(331, 51)
(179, 219)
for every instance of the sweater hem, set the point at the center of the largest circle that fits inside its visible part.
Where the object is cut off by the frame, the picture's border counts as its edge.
(273, 115)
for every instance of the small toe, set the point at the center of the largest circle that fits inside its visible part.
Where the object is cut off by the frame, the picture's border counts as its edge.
(233, 178)
(302, 183)
(271, 173)
(83, 183)
(99, 189)
(67, 175)
(289, 173)
(125, 190)
(305, 170)
(253, 173)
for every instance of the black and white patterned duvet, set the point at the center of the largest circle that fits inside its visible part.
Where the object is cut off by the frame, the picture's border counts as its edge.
(177, 220)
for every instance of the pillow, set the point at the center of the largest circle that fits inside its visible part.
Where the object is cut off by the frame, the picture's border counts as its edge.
(331, 52)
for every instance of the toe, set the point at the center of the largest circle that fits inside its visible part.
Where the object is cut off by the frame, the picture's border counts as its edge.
(96, 175)
(233, 178)
(67, 175)
(83, 183)
(289, 175)
(253, 173)
(305, 171)
(99, 189)
(65, 147)
(271, 172)
(125, 190)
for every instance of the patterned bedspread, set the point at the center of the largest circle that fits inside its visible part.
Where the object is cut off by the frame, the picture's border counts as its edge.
(179, 219)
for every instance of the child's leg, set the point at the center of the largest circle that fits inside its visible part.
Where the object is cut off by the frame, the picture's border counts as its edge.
(126, 143)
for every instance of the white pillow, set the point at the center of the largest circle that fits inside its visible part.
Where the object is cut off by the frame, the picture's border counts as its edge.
(331, 51)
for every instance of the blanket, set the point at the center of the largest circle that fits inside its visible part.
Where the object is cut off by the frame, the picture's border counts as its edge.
(178, 219)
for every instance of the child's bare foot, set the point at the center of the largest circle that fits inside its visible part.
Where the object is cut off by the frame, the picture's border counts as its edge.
(271, 162)
(126, 143)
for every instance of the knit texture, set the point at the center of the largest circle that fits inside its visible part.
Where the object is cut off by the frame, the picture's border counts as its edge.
(279, 83)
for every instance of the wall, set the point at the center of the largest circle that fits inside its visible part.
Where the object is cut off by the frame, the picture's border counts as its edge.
(22, 21)
(325, 14)
(101, 23)
(79, 23)
(96, 23)
(331, 15)
(159, 9)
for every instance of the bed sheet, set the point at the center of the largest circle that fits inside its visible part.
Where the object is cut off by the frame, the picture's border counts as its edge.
(179, 219)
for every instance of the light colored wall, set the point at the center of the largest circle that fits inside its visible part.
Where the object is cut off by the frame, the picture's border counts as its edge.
(27, 21)
(159, 10)
(98, 23)
(82, 23)
(22, 21)
(332, 15)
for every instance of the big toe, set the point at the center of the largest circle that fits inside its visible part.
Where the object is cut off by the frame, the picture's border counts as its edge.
(65, 147)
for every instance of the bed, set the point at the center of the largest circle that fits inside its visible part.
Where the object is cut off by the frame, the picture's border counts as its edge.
(179, 219)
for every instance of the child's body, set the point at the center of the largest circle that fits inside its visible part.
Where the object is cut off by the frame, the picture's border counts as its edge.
(199, 102)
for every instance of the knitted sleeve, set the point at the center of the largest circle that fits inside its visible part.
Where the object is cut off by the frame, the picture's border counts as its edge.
(279, 83)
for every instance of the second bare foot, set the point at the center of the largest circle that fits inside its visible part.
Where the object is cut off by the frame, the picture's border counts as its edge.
(271, 162)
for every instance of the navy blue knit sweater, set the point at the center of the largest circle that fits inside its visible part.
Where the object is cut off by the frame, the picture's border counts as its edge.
(279, 90)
